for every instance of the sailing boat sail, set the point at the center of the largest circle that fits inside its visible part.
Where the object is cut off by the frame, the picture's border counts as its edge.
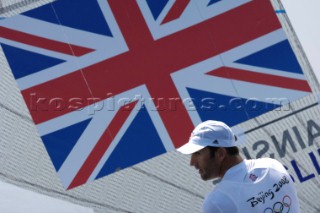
(111, 84)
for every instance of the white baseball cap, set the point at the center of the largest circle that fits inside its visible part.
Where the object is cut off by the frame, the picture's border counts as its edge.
(209, 133)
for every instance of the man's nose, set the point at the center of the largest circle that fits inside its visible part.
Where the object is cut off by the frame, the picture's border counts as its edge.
(192, 160)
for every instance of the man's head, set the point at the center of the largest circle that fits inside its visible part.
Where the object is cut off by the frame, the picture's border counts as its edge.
(213, 150)
(209, 133)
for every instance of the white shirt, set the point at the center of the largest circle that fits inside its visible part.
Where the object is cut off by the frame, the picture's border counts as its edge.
(261, 185)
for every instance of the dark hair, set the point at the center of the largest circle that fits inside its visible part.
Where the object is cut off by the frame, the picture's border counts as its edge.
(230, 150)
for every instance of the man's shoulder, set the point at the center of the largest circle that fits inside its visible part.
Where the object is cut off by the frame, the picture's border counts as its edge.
(262, 160)
(218, 201)
(264, 163)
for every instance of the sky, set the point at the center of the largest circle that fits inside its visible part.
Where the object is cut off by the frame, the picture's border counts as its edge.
(304, 16)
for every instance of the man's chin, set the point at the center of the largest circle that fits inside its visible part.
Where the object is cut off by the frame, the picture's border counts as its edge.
(204, 177)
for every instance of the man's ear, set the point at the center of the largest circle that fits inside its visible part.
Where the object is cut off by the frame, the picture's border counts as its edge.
(221, 153)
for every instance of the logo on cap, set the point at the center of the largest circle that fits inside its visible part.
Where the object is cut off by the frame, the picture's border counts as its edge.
(253, 177)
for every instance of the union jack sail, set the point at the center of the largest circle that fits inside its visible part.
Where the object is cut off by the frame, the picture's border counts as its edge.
(111, 83)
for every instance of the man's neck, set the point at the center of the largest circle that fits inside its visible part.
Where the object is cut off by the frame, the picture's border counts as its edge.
(230, 162)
